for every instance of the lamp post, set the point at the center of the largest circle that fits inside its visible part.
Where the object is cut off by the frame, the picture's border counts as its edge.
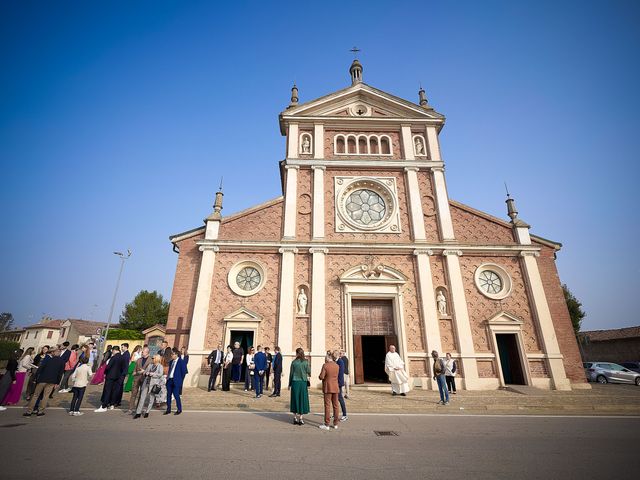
(123, 257)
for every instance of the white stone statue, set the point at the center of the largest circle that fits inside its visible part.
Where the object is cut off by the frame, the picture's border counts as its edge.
(419, 146)
(302, 302)
(442, 303)
(306, 144)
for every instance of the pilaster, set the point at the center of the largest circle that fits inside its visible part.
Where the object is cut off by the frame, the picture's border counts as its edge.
(318, 140)
(428, 307)
(415, 204)
(290, 200)
(293, 140)
(461, 319)
(318, 319)
(434, 144)
(286, 305)
(442, 201)
(318, 202)
(407, 142)
(546, 329)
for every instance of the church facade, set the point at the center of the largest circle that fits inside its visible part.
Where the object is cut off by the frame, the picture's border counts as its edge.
(365, 249)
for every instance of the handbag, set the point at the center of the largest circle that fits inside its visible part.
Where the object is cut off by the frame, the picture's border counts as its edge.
(155, 390)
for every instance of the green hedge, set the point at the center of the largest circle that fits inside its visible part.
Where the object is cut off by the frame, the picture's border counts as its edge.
(122, 334)
(7, 348)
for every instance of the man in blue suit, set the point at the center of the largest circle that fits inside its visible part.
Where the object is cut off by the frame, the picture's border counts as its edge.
(260, 362)
(177, 372)
(276, 366)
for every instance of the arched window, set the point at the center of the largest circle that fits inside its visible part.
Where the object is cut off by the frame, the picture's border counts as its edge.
(351, 145)
(362, 145)
(385, 145)
(373, 143)
(340, 144)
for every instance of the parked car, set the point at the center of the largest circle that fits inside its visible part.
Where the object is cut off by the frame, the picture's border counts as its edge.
(635, 366)
(605, 372)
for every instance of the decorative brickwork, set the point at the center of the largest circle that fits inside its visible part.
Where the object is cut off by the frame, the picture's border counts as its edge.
(303, 205)
(447, 331)
(486, 369)
(538, 368)
(301, 330)
(418, 368)
(261, 224)
(429, 209)
(476, 228)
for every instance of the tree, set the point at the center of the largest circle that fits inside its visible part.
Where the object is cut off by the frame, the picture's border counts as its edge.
(575, 309)
(146, 310)
(6, 321)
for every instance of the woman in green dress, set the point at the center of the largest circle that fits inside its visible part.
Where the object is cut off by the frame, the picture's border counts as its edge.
(137, 353)
(298, 378)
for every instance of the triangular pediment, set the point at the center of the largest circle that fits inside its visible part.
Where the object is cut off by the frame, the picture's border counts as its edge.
(361, 101)
(505, 318)
(243, 314)
(372, 274)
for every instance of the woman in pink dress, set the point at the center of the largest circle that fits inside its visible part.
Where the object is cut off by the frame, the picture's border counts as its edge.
(98, 377)
(25, 363)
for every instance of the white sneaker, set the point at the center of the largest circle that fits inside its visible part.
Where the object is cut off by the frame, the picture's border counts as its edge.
(446, 403)
(344, 418)
(77, 414)
(2, 409)
(71, 414)
(324, 427)
(111, 407)
(98, 410)
(335, 427)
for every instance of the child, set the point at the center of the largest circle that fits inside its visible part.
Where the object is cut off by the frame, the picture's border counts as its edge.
(80, 378)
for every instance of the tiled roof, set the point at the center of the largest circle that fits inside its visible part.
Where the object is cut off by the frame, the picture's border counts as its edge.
(47, 324)
(614, 334)
(88, 327)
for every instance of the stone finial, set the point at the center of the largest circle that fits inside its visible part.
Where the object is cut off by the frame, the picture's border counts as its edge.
(511, 208)
(217, 205)
(356, 72)
(294, 96)
(424, 103)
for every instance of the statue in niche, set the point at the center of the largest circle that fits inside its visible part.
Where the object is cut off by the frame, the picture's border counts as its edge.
(302, 302)
(441, 300)
(306, 144)
(419, 146)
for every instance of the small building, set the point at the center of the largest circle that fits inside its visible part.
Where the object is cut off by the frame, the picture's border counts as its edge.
(78, 331)
(12, 335)
(616, 345)
(46, 332)
(153, 337)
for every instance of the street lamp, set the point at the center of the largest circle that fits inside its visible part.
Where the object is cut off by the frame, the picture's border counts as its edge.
(123, 257)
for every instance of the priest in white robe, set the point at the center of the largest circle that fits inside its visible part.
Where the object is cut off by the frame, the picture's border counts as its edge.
(394, 367)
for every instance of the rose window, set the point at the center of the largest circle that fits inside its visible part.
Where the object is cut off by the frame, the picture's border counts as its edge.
(490, 282)
(248, 278)
(365, 207)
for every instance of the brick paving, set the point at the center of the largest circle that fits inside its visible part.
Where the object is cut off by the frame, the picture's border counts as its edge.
(600, 400)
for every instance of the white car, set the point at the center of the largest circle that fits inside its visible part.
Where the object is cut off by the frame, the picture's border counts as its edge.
(605, 372)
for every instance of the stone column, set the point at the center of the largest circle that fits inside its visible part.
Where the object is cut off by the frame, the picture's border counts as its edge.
(318, 140)
(542, 313)
(286, 306)
(428, 307)
(290, 201)
(442, 202)
(318, 320)
(318, 202)
(415, 204)
(200, 314)
(461, 320)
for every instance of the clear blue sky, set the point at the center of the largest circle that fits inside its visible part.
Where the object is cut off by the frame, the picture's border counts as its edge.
(117, 120)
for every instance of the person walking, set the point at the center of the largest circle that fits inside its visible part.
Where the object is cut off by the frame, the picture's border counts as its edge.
(347, 378)
(298, 384)
(138, 377)
(260, 364)
(226, 369)
(69, 367)
(276, 366)
(340, 362)
(150, 387)
(49, 375)
(80, 378)
(177, 372)
(439, 376)
(215, 360)
(329, 376)
(450, 369)
(9, 378)
(113, 374)
(249, 371)
(398, 377)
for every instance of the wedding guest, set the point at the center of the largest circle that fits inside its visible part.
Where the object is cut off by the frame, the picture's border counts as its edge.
(98, 378)
(267, 373)
(298, 384)
(9, 378)
(69, 366)
(330, 389)
(93, 356)
(113, 374)
(135, 355)
(25, 364)
(226, 370)
(50, 373)
(277, 371)
(152, 375)
(177, 372)
(260, 366)
(236, 366)
(138, 377)
(341, 381)
(215, 360)
(79, 379)
(31, 386)
(249, 373)
(347, 381)
(126, 360)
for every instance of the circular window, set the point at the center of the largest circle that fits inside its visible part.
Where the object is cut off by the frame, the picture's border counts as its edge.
(366, 204)
(493, 281)
(246, 278)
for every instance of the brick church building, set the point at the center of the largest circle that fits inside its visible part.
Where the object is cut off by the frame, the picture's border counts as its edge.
(365, 249)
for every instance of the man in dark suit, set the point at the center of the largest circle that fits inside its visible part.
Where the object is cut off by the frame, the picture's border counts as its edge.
(267, 374)
(165, 351)
(66, 353)
(276, 366)
(214, 360)
(260, 367)
(177, 372)
(50, 373)
(113, 374)
(126, 360)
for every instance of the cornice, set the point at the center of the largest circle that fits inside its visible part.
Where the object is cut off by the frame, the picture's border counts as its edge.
(362, 161)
